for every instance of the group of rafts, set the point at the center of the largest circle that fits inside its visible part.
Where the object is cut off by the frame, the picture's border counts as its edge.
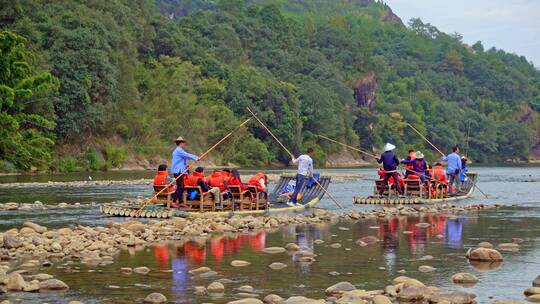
(252, 202)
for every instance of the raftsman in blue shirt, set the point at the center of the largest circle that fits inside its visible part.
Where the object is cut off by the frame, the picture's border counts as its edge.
(454, 163)
(179, 160)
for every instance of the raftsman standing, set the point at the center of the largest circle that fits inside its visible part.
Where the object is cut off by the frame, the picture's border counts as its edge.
(178, 167)
(305, 171)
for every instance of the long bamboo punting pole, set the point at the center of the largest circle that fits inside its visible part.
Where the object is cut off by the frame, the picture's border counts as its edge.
(187, 168)
(423, 137)
(292, 156)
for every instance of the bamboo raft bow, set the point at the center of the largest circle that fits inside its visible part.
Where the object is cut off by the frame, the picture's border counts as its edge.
(138, 212)
(292, 156)
(399, 200)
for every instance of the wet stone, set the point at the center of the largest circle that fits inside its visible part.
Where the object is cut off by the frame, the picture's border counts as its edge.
(484, 254)
(302, 300)
(339, 288)
(485, 245)
(247, 301)
(52, 284)
(215, 288)
(246, 288)
(426, 268)
(273, 299)
(464, 278)
(155, 298)
(239, 263)
(277, 266)
(199, 270)
(274, 250)
(141, 270)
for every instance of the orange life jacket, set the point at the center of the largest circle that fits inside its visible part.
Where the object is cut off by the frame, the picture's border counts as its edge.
(217, 179)
(255, 181)
(160, 179)
(193, 179)
(439, 174)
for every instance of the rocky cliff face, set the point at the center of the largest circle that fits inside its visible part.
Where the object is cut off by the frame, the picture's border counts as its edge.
(391, 17)
(364, 91)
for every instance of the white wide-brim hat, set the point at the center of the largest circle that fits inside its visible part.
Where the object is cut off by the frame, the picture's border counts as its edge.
(389, 147)
(418, 154)
(180, 138)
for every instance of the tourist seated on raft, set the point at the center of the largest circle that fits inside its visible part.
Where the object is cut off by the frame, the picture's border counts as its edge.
(259, 180)
(197, 178)
(410, 168)
(235, 180)
(218, 179)
(162, 178)
(419, 167)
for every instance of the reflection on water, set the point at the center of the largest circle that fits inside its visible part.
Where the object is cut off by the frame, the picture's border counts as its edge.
(403, 243)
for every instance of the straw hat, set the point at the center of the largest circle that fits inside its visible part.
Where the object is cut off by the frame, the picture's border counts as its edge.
(418, 154)
(389, 147)
(180, 138)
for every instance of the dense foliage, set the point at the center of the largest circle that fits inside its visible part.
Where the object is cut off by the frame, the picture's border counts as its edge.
(135, 74)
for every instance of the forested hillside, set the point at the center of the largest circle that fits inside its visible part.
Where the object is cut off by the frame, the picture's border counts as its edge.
(100, 82)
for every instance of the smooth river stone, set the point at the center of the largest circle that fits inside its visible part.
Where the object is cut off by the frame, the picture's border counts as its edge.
(426, 268)
(239, 263)
(277, 266)
(464, 278)
(274, 250)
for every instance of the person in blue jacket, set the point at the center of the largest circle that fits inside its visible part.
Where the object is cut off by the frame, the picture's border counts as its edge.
(390, 164)
(464, 168)
(179, 166)
(454, 170)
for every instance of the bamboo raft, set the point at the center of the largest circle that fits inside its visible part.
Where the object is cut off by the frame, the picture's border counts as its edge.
(467, 187)
(310, 198)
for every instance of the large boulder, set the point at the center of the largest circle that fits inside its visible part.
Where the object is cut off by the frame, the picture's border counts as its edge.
(339, 288)
(15, 282)
(155, 298)
(484, 254)
(52, 284)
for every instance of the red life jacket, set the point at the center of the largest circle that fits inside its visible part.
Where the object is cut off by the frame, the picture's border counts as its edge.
(160, 179)
(232, 181)
(439, 174)
(193, 179)
(255, 181)
(217, 179)
(410, 167)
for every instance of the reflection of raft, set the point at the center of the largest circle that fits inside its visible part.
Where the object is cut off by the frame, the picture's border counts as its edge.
(419, 197)
(310, 198)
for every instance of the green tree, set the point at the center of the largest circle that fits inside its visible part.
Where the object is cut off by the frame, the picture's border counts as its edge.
(26, 117)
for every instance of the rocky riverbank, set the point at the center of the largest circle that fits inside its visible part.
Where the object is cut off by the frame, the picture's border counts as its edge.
(26, 253)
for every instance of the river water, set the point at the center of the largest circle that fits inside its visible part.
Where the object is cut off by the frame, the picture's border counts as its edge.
(372, 267)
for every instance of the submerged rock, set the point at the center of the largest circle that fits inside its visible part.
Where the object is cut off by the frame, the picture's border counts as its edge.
(508, 247)
(155, 298)
(464, 278)
(484, 254)
(485, 245)
(426, 268)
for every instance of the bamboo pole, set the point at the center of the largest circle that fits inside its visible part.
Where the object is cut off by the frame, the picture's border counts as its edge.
(429, 142)
(292, 156)
(348, 146)
(187, 168)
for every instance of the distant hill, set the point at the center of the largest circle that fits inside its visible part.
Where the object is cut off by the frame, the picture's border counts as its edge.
(132, 75)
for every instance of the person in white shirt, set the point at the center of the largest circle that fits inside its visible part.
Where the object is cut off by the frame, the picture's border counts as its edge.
(305, 171)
